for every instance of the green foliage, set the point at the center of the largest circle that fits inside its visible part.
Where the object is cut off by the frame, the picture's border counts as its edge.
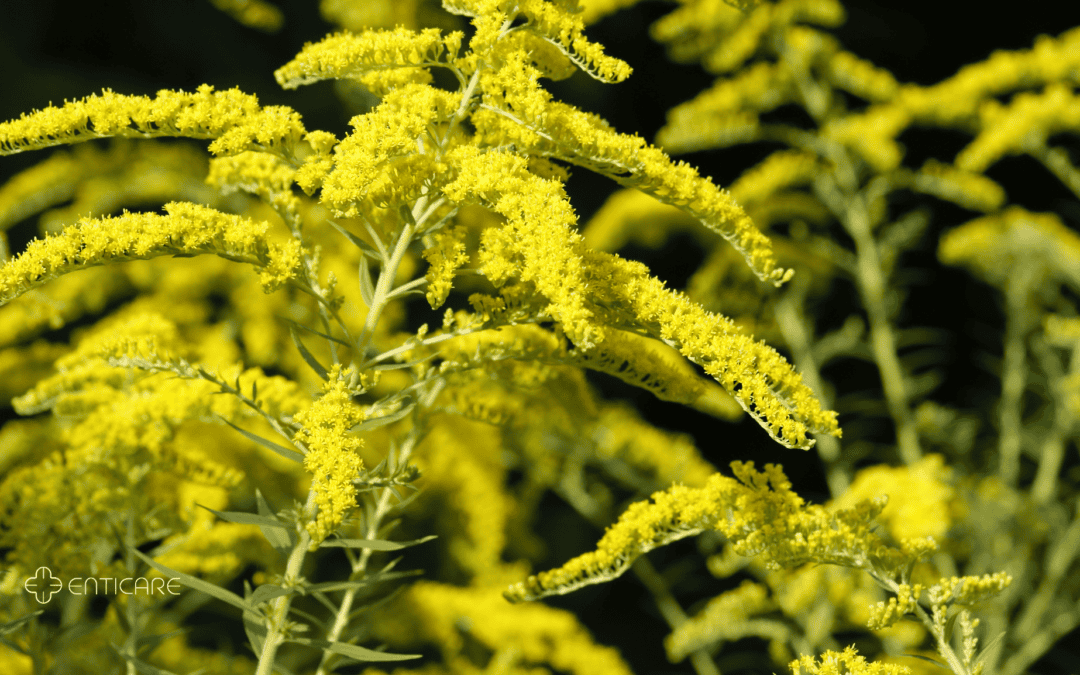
(267, 449)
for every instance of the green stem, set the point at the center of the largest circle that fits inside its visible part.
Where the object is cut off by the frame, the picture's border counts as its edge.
(279, 613)
(856, 220)
(341, 617)
(386, 280)
(672, 611)
(1014, 374)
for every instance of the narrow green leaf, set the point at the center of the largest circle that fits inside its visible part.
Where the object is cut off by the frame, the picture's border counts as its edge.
(989, 645)
(308, 356)
(376, 422)
(328, 586)
(269, 445)
(404, 502)
(265, 522)
(12, 626)
(927, 658)
(256, 632)
(281, 541)
(398, 366)
(375, 544)
(356, 241)
(950, 625)
(267, 592)
(195, 583)
(314, 332)
(367, 287)
(353, 651)
(262, 505)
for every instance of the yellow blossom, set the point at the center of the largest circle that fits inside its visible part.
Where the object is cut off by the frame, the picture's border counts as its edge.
(347, 55)
(188, 229)
(331, 456)
(233, 118)
(848, 662)
(759, 514)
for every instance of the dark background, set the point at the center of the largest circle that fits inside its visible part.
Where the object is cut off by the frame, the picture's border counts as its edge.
(53, 50)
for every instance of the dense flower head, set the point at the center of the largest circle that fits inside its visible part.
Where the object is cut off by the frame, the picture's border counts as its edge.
(348, 55)
(332, 456)
(234, 119)
(921, 499)
(757, 511)
(847, 662)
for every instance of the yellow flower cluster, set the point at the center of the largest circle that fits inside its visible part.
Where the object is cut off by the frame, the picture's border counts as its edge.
(445, 258)
(350, 56)
(967, 98)
(758, 513)
(461, 462)
(862, 78)
(779, 171)
(255, 14)
(725, 617)
(761, 380)
(220, 551)
(727, 113)
(995, 246)
(968, 590)
(567, 133)
(234, 119)
(1021, 126)
(723, 37)
(921, 502)
(847, 662)
(971, 190)
(648, 364)
(188, 229)
(331, 456)
(537, 243)
(666, 458)
(563, 29)
(885, 614)
(379, 161)
(451, 617)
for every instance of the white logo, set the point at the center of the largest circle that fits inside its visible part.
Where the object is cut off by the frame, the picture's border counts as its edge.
(44, 585)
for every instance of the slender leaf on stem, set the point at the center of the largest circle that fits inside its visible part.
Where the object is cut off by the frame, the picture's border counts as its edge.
(12, 626)
(245, 518)
(195, 583)
(380, 577)
(367, 286)
(281, 541)
(376, 422)
(356, 241)
(939, 664)
(376, 544)
(269, 445)
(308, 356)
(399, 366)
(353, 651)
(255, 630)
(267, 592)
(321, 334)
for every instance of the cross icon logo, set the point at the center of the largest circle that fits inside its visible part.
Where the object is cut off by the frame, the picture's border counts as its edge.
(43, 585)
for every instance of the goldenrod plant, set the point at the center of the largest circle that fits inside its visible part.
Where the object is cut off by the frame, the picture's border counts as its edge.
(295, 400)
